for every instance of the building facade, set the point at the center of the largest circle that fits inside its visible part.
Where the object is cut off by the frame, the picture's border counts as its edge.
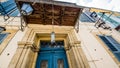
(78, 44)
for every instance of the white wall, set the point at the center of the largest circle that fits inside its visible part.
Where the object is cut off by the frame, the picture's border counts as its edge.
(11, 21)
(97, 56)
(11, 49)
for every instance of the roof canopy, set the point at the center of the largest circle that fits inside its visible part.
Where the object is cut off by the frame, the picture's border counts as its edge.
(64, 13)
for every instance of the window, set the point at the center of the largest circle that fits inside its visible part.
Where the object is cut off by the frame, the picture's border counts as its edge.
(112, 44)
(108, 43)
(117, 55)
(2, 37)
(44, 64)
(9, 8)
(60, 63)
(47, 44)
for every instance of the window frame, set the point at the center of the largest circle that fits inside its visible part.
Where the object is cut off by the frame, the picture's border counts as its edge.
(113, 52)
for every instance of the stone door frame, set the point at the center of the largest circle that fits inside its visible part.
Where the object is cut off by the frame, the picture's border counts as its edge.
(28, 48)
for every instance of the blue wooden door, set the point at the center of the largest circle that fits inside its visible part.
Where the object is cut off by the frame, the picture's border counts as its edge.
(52, 57)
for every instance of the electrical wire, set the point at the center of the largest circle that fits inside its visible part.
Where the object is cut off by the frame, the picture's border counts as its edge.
(53, 16)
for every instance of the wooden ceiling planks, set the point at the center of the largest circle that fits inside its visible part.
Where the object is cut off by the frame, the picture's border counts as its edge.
(43, 14)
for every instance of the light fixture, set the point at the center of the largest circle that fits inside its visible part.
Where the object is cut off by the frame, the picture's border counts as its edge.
(52, 37)
(52, 33)
(26, 9)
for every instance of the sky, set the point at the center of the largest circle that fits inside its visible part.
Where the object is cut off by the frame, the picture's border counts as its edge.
(112, 5)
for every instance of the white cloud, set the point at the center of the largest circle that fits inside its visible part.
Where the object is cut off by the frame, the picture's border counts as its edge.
(112, 5)
(102, 4)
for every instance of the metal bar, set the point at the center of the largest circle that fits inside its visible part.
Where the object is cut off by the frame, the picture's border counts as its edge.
(21, 16)
(99, 18)
(109, 16)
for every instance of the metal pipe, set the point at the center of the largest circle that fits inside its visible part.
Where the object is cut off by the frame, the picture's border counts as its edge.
(109, 16)
(99, 18)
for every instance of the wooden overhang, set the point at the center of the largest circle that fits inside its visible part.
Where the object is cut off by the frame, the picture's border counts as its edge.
(65, 14)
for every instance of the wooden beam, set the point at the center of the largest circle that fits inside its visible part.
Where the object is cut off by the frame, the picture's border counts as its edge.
(43, 15)
(52, 2)
(56, 22)
(62, 10)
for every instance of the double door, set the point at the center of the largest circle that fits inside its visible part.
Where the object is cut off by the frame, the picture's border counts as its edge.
(52, 59)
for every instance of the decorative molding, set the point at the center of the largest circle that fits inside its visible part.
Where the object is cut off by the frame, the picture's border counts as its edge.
(30, 45)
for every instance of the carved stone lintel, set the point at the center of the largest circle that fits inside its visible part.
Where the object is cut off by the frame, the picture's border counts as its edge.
(29, 45)
(67, 48)
(35, 48)
(75, 44)
(25, 43)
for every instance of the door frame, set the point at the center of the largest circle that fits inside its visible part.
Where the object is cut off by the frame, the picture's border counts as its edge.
(29, 46)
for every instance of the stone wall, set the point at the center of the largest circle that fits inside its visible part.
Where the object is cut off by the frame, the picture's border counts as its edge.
(28, 48)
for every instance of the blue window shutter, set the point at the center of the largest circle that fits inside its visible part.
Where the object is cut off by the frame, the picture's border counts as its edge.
(2, 37)
(117, 55)
(112, 44)
(6, 8)
(108, 43)
(113, 41)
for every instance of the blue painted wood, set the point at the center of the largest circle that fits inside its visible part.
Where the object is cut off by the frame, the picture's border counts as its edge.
(112, 44)
(113, 41)
(52, 55)
(44, 56)
(117, 55)
(60, 56)
(108, 43)
(2, 37)
(52, 58)
(8, 7)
